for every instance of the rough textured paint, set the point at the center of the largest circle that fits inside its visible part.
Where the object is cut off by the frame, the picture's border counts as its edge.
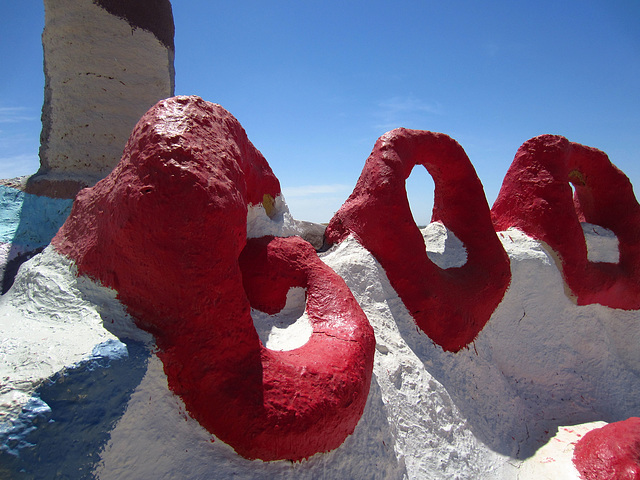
(314, 395)
(537, 198)
(27, 224)
(450, 305)
(166, 230)
(611, 452)
(155, 16)
(102, 73)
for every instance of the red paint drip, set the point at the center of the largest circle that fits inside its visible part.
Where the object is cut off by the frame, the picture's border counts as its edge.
(167, 230)
(451, 306)
(611, 452)
(536, 197)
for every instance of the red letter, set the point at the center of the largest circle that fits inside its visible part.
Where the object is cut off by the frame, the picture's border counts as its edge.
(536, 198)
(166, 229)
(451, 306)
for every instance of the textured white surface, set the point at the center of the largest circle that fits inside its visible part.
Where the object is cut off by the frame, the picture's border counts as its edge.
(602, 244)
(156, 439)
(282, 224)
(555, 459)
(51, 319)
(288, 329)
(102, 76)
(443, 247)
(432, 436)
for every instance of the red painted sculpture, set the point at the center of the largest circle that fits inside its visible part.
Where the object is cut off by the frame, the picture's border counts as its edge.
(611, 452)
(450, 305)
(167, 230)
(536, 197)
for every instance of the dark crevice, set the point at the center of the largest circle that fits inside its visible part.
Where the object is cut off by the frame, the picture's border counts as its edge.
(12, 266)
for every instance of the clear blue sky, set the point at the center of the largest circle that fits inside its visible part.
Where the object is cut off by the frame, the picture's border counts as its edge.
(316, 83)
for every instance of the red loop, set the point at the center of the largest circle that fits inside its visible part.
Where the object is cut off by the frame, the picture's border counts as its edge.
(451, 306)
(536, 197)
(166, 229)
(313, 395)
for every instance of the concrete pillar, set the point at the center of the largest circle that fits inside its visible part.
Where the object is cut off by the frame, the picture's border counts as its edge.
(106, 62)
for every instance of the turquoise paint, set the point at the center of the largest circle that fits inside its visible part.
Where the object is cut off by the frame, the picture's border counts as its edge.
(30, 221)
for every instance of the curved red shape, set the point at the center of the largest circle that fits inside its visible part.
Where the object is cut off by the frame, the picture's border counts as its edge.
(611, 452)
(536, 197)
(166, 229)
(451, 306)
(315, 393)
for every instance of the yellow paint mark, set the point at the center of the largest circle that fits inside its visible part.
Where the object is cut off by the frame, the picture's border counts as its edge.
(269, 205)
(577, 178)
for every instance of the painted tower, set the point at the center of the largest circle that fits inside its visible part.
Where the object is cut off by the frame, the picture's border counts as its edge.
(105, 62)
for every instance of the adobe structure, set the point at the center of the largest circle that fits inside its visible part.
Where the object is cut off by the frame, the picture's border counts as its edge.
(105, 63)
(161, 280)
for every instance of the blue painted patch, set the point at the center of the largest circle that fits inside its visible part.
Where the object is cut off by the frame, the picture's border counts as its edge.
(63, 429)
(113, 349)
(30, 221)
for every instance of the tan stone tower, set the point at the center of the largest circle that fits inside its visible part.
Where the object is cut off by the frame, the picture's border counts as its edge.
(106, 62)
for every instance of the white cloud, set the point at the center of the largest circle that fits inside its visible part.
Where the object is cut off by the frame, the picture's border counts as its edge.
(408, 104)
(316, 190)
(316, 203)
(16, 115)
(404, 111)
(18, 165)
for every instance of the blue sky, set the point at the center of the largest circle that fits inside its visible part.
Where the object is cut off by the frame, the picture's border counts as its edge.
(316, 83)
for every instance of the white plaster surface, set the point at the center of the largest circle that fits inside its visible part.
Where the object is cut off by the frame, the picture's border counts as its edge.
(101, 77)
(555, 459)
(7, 253)
(602, 244)
(288, 329)
(443, 247)
(51, 319)
(282, 224)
